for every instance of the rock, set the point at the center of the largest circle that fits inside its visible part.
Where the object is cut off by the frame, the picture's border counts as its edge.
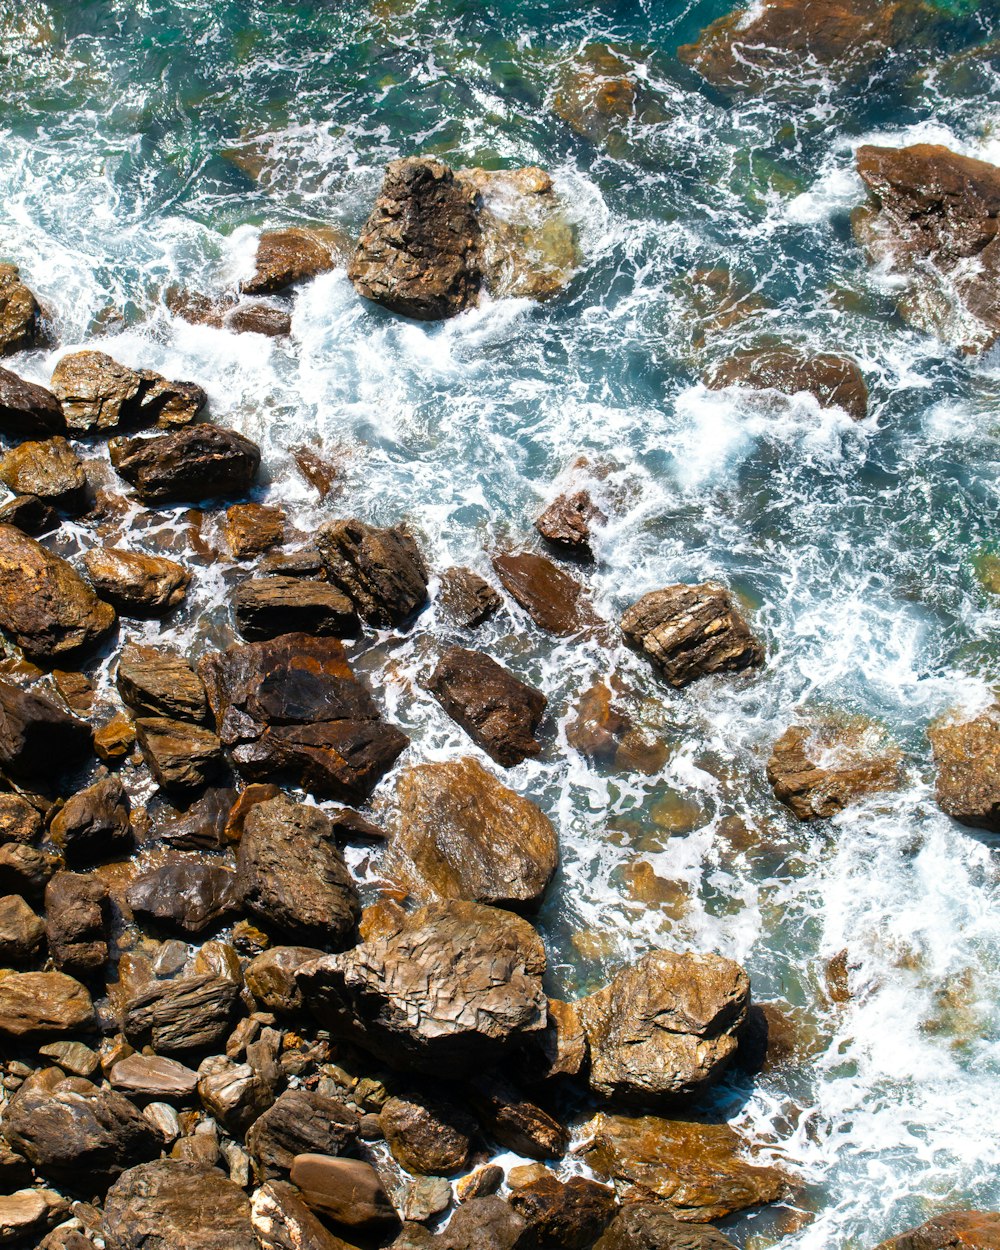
(199, 462)
(699, 1171)
(49, 470)
(99, 395)
(94, 823)
(115, 739)
(555, 601)
(932, 217)
(271, 980)
(666, 1026)
(286, 257)
(464, 835)
(483, 1224)
(134, 583)
(181, 756)
(185, 894)
(259, 318)
(954, 1230)
(967, 757)
(34, 732)
(605, 734)
(282, 1221)
(300, 1122)
(253, 528)
(153, 1076)
(291, 708)
(29, 1213)
(36, 1004)
(597, 93)
(422, 1199)
(234, 1094)
(650, 1226)
(450, 990)
(26, 409)
(498, 712)
(427, 1135)
(569, 1215)
(265, 607)
(480, 1183)
(158, 682)
(819, 770)
(25, 869)
(562, 1049)
(418, 253)
(30, 515)
(187, 1013)
(21, 931)
(346, 1191)
(201, 826)
(45, 605)
(566, 522)
(515, 1122)
(75, 918)
(833, 381)
(165, 1205)
(691, 631)
(380, 570)
(21, 324)
(468, 598)
(19, 821)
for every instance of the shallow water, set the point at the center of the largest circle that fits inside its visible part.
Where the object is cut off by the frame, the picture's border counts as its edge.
(144, 144)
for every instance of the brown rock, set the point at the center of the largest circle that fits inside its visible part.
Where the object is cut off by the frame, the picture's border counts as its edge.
(427, 1135)
(562, 1049)
(265, 607)
(282, 1221)
(115, 739)
(481, 1183)
(320, 471)
(818, 771)
(235, 1094)
(286, 257)
(187, 1013)
(21, 324)
(380, 570)
(300, 1122)
(201, 825)
(75, 919)
(569, 1215)
(650, 1226)
(468, 598)
(94, 823)
(555, 601)
(39, 1004)
(21, 931)
(50, 470)
(968, 770)
(99, 395)
(161, 683)
(259, 318)
(516, 1122)
(29, 1214)
(171, 1204)
(253, 528)
(198, 462)
(185, 894)
(833, 381)
(19, 821)
(566, 522)
(482, 1224)
(35, 734)
(347, 1191)
(26, 869)
(270, 977)
(954, 1230)
(153, 1076)
(30, 515)
(181, 756)
(134, 583)
(498, 712)
(597, 93)
(28, 410)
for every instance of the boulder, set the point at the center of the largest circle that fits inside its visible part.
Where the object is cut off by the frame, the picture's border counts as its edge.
(954, 1230)
(21, 324)
(451, 989)
(253, 528)
(427, 1135)
(187, 1013)
(380, 570)
(189, 895)
(566, 522)
(45, 605)
(292, 875)
(347, 1191)
(265, 607)
(75, 918)
(99, 395)
(49, 470)
(181, 756)
(644, 1225)
(171, 1203)
(568, 1215)
(498, 712)
(292, 709)
(699, 1171)
(27, 1215)
(153, 1076)
(967, 756)
(41, 1004)
(555, 601)
(480, 1224)
(35, 732)
(467, 598)
(28, 410)
(514, 1121)
(418, 253)
(300, 1122)
(201, 826)
(282, 1221)
(833, 381)
(26, 869)
(94, 823)
(158, 682)
(597, 93)
(198, 462)
(819, 770)
(691, 631)
(463, 834)
(22, 933)
(286, 257)
(134, 583)
(19, 821)
(270, 977)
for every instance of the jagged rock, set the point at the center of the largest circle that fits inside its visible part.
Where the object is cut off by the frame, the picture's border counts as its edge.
(449, 990)
(153, 1076)
(834, 381)
(19, 821)
(516, 1122)
(468, 598)
(271, 980)
(171, 1204)
(380, 570)
(954, 1230)
(968, 770)
(35, 734)
(199, 462)
(134, 583)
(99, 395)
(497, 711)
(300, 1122)
(28, 410)
(234, 1094)
(26, 869)
(75, 921)
(253, 528)
(49, 470)
(566, 522)
(21, 324)
(185, 894)
(260, 318)
(282, 1221)
(286, 257)
(94, 823)
(158, 682)
(187, 1013)
(650, 1226)
(291, 708)
(692, 631)
(427, 1135)
(180, 755)
(347, 1191)
(482, 1224)
(201, 826)
(21, 931)
(555, 601)
(30, 515)
(418, 253)
(568, 1215)
(462, 834)
(29, 1213)
(35, 1004)
(45, 605)
(265, 607)
(819, 770)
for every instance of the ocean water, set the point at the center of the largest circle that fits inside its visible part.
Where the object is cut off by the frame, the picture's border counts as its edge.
(144, 145)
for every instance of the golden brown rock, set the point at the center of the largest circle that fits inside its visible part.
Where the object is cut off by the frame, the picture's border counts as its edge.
(821, 769)
(968, 770)
(20, 316)
(954, 1230)
(136, 583)
(40, 1003)
(253, 528)
(286, 257)
(50, 470)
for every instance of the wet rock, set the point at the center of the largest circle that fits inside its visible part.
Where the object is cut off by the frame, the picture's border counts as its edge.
(198, 462)
(691, 631)
(834, 381)
(26, 869)
(480, 1183)
(497, 711)
(26, 409)
(570, 1215)
(161, 683)
(566, 522)
(36, 1004)
(665, 1026)
(818, 771)
(164, 1205)
(34, 732)
(418, 253)
(265, 607)
(49, 470)
(380, 570)
(699, 1171)
(201, 826)
(932, 217)
(186, 1013)
(650, 1226)
(597, 94)
(134, 583)
(234, 1094)
(19, 821)
(562, 1049)
(185, 894)
(45, 605)
(286, 257)
(75, 907)
(954, 1230)
(153, 1076)
(259, 318)
(450, 990)
(21, 931)
(555, 601)
(30, 515)
(468, 598)
(462, 834)
(322, 472)
(515, 1122)
(282, 1221)
(291, 708)
(483, 1224)
(270, 977)
(253, 528)
(21, 324)
(94, 823)
(427, 1135)
(300, 1122)
(422, 1199)
(29, 1214)
(99, 395)
(347, 1191)
(181, 756)
(967, 757)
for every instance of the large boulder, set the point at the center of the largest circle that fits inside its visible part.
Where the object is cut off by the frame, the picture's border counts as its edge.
(28, 410)
(818, 770)
(99, 395)
(967, 756)
(186, 465)
(171, 1204)
(497, 711)
(463, 834)
(448, 990)
(41, 1004)
(186, 894)
(49, 470)
(954, 1230)
(834, 381)
(289, 256)
(554, 600)
(186, 1013)
(300, 1122)
(21, 323)
(643, 1225)
(666, 1026)
(691, 631)
(380, 570)
(291, 708)
(45, 605)
(36, 737)
(94, 823)
(75, 922)
(135, 583)
(265, 607)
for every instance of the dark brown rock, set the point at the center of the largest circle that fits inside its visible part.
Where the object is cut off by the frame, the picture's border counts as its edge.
(161, 683)
(483, 1224)
(497, 711)
(49, 470)
(270, 977)
(186, 894)
(94, 823)
(515, 1122)
(75, 917)
(427, 1135)
(134, 583)
(253, 528)
(187, 1013)
(968, 770)
(555, 601)
(567, 521)
(286, 257)
(36, 733)
(21, 324)
(954, 1230)
(568, 1215)
(181, 756)
(468, 598)
(819, 770)
(201, 826)
(834, 381)
(380, 570)
(347, 1191)
(26, 869)
(198, 462)
(260, 318)
(30, 515)
(265, 607)
(22, 933)
(171, 1204)
(300, 1122)
(42, 1004)
(235, 1094)
(650, 1226)
(28, 410)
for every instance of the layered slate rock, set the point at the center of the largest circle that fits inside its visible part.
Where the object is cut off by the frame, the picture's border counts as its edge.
(666, 1026)
(199, 462)
(181, 756)
(497, 711)
(270, 977)
(49, 470)
(41, 1004)
(451, 988)
(513, 1120)
(28, 410)
(554, 600)
(650, 1226)
(834, 381)
(75, 920)
(99, 395)
(36, 736)
(187, 1013)
(427, 1135)
(282, 1221)
(819, 770)
(94, 823)
(22, 933)
(467, 598)
(265, 607)
(967, 756)
(464, 835)
(25, 1216)
(692, 631)
(566, 523)
(45, 605)
(153, 1076)
(954, 1230)
(300, 1122)
(287, 257)
(292, 875)
(158, 682)
(134, 583)
(173, 1203)
(21, 323)
(291, 708)
(185, 894)
(380, 570)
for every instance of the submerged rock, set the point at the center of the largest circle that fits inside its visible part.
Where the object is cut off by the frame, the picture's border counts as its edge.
(49, 470)
(99, 395)
(289, 256)
(817, 771)
(199, 462)
(468, 598)
(605, 734)
(34, 1004)
(265, 607)
(172, 1203)
(21, 324)
(597, 93)
(967, 756)
(498, 712)
(135, 583)
(834, 381)
(28, 410)
(954, 1230)
(380, 570)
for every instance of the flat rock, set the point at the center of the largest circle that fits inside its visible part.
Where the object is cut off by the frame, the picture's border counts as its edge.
(265, 607)
(818, 770)
(968, 770)
(429, 1136)
(650, 1226)
(554, 600)
(22, 933)
(181, 756)
(153, 1076)
(187, 465)
(287, 257)
(21, 324)
(954, 1230)
(171, 1204)
(300, 1122)
(28, 410)
(468, 598)
(189, 895)
(834, 381)
(41, 1004)
(29, 1214)
(499, 712)
(134, 583)
(75, 920)
(34, 731)
(158, 682)
(282, 1221)
(347, 1191)
(94, 823)
(50, 470)
(186, 1013)
(380, 570)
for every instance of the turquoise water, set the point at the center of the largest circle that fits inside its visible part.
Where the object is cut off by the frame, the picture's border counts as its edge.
(143, 145)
